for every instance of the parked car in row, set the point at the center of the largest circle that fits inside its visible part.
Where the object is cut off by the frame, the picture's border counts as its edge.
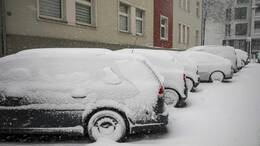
(242, 56)
(190, 69)
(211, 67)
(96, 92)
(258, 57)
(223, 51)
(176, 91)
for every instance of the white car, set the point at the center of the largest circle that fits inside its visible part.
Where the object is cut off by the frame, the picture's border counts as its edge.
(95, 92)
(176, 91)
(190, 68)
(211, 67)
(223, 51)
(242, 57)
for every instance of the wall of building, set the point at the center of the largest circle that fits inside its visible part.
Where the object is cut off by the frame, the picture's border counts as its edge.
(23, 23)
(215, 32)
(188, 18)
(163, 8)
(1, 28)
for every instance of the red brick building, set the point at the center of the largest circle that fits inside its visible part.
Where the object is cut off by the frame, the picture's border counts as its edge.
(163, 23)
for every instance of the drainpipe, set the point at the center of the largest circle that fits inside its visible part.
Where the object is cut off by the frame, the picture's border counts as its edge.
(251, 8)
(3, 25)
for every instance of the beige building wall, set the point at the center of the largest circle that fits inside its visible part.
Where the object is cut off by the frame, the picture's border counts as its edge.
(23, 19)
(184, 13)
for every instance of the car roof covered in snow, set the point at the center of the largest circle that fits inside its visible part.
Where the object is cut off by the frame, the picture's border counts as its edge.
(204, 57)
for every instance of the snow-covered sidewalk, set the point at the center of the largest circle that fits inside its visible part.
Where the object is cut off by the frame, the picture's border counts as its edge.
(218, 114)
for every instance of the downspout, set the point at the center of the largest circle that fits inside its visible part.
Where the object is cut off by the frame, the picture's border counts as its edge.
(250, 27)
(3, 17)
(203, 22)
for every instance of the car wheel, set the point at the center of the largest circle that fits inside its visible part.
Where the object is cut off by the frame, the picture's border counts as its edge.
(189, 83)
(171, 97)
(106, 124)
(217, 76)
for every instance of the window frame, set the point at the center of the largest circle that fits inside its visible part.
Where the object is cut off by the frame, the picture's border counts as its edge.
(140, 19)
(198, 7)
(92, 10)
(165, 26)
(180, 33)
(239, 34)
(63, 3)
(197, 37)
(236, 14)
(128, 15)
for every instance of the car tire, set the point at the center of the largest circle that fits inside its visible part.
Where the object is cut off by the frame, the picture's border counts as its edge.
(171, 97)
(217, 76)
(107, 124)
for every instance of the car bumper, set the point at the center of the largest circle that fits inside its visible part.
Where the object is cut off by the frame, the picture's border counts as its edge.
(159, 124)
(196, 84)
(229, 76)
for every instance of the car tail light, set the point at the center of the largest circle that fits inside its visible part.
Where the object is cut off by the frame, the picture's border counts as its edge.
(161, 91)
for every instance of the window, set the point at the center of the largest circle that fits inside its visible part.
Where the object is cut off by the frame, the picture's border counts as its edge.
(188, 35)
(124, 23)
(164, 28)
(198, 9)
(257, 11)
(51, 9)
(241, 29)
(227, 29)
(240, 13)
(197, 35)
(184, 4)
(257, 26)
(183, 34)
(180, 3)
(84, 12)
(228, 14)
(242, 1)
(188, 5)
(139, 21)
(180, 35)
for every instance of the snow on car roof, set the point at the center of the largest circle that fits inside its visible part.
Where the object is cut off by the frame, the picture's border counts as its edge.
(203, 56)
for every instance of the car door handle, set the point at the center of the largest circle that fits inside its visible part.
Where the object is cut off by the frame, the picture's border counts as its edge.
(79, 97)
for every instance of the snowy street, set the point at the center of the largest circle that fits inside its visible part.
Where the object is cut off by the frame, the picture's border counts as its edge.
(218, 114)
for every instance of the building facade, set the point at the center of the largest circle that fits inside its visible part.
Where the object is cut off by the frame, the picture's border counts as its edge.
(163, 23)
(78, 23)
(186, 23)
(242, 29)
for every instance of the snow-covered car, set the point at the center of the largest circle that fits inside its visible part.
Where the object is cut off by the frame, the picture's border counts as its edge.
(258, 57)
(95, 92)
(176, 91)
(190, 68)
(242, 57)
(223, 51)
(211, 67)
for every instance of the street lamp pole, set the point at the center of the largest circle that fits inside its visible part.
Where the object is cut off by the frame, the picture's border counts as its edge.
(249, 38)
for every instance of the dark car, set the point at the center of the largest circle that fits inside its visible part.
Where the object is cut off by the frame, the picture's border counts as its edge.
(74, 90)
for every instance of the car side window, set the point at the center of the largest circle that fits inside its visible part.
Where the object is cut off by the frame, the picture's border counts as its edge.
(12, 101)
